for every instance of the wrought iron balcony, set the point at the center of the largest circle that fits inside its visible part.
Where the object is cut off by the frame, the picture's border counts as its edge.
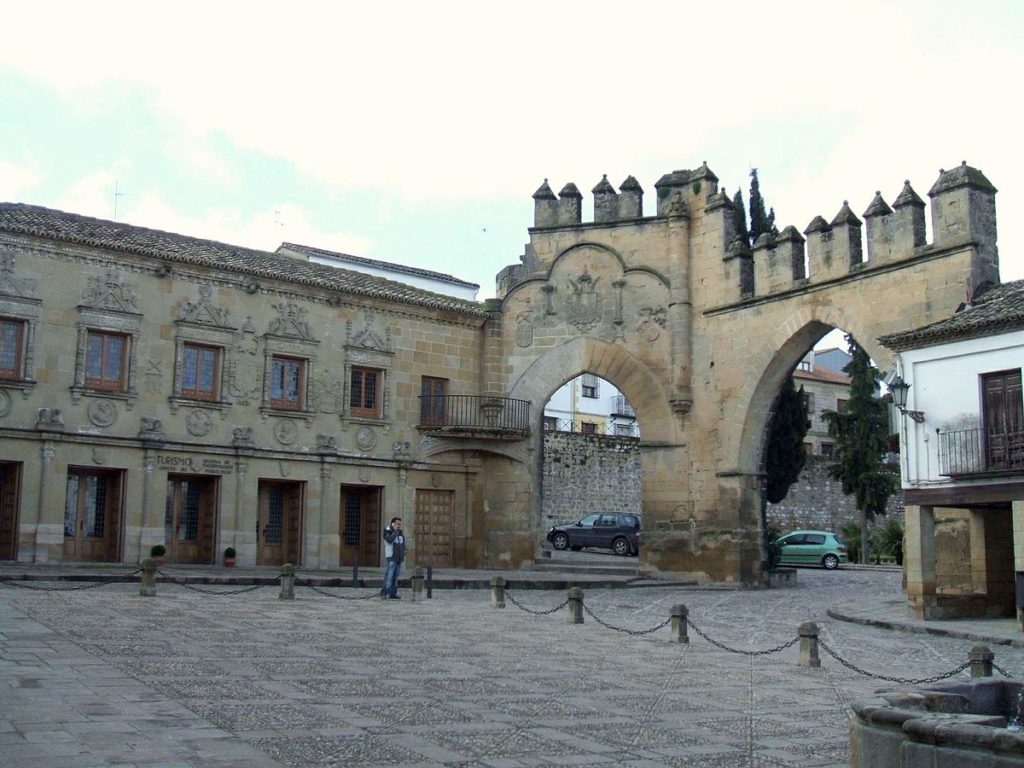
(497, 418)
(623, 408)
(980, 452)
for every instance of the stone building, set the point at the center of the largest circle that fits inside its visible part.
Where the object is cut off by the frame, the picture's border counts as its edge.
(161, 389)
(962, 462)
(165, 389)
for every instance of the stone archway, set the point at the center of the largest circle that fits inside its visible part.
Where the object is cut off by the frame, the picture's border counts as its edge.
(699, 330)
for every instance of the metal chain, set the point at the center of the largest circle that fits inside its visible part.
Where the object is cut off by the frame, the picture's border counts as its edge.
(522, 607)
(1001, 671)
(902, 680)
(634, 632)
(740, 651)
(186, 585)
(21, 585)
(331, 594)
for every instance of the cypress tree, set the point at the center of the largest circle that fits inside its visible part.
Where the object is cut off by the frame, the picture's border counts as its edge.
(862, 439)
(741, 217)
(758, 217)
(785, 454)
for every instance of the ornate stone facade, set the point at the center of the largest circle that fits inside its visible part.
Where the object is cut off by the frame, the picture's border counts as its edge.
(307, 377)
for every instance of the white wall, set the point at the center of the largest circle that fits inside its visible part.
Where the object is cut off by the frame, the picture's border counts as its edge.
(945, 385)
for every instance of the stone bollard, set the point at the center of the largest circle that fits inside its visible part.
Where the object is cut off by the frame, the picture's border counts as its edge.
(680, 621)
(430, 582)
(497, 592)
(417, 585)
(808, 645)
(147, 582)
(287, 582)
(981, 657)
(575, 606)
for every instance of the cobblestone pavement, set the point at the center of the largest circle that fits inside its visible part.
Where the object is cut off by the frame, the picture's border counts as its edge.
(102, 677)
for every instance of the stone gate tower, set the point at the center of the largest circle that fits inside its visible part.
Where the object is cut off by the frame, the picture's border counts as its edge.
(699, 332)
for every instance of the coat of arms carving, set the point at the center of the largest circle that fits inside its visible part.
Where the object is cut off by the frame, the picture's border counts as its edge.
(583, 306)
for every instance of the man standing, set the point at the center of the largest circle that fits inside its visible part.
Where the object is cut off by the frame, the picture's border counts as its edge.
(394, 554)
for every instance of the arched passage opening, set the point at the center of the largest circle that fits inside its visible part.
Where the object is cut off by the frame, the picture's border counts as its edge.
(660, 481)
(816, 363)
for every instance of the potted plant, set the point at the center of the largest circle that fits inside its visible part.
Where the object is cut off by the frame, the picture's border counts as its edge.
(157, 552)
(229, 557)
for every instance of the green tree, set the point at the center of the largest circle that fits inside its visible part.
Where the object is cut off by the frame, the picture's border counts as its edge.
(741, 217)
(861, 433)
(785, 454)
(760, 220)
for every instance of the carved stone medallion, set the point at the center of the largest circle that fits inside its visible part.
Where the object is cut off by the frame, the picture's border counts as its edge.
(100, 456)
(102, 413)
(524, 330)
(584, 305)
(365, 438)
(285, 431)
(5, 403)
(198, 423)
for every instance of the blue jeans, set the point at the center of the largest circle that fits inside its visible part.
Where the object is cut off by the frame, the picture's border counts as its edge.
(390, 587)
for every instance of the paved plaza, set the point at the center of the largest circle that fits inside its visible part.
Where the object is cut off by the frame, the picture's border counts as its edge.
(102, 677)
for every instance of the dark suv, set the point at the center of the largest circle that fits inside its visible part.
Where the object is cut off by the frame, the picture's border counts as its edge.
(618, 532)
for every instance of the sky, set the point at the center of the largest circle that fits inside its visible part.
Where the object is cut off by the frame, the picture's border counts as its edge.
(416, 133)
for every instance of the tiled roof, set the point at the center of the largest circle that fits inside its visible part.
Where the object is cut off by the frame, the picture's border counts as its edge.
(999, 309)
(417, 271)
(822, 374)
(36, 221)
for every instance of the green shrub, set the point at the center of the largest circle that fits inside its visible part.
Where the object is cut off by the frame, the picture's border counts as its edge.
(850, 534)
(229, 552)
(157, 550)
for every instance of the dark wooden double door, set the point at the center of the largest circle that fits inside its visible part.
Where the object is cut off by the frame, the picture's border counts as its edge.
(190, 519)
(279, 523)
(362, 528)
(92, 515)
(10, 483)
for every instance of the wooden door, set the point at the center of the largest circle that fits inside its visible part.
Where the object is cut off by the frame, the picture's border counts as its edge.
(433, 527)
(92, 516)
(279, 527)
(361, 527)
(189, 520)
(1003, 408)
(10, 479)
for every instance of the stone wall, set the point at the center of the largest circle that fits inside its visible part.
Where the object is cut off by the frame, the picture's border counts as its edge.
(589, 473)
(817, 501)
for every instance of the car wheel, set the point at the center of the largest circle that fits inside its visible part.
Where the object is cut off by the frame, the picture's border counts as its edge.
(620, 546)
(830, 561)
(560, 541)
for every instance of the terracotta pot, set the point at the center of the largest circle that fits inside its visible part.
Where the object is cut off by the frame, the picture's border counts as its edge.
(229, 562)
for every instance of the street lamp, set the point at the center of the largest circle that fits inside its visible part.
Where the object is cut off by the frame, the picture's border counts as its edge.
(899, 389)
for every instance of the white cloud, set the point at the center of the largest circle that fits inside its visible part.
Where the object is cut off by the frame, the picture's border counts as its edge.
(15, 179)
(459, 99)
(261, 229)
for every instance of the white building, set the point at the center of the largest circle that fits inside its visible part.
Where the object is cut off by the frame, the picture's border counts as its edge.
(962, 436)
(425, 279)
(590, 405)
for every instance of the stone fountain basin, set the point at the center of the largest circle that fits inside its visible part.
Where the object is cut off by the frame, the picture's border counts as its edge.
(945, 725)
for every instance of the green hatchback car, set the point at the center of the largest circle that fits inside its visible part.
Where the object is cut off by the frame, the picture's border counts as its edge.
(822, 548)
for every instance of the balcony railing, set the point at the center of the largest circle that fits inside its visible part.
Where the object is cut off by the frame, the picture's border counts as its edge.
(474, 416)
(623, 408)
(980, 452)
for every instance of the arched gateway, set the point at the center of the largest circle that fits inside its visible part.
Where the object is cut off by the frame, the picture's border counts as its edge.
(699, 332)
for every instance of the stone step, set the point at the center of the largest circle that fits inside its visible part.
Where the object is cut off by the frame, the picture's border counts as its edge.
(628, 569)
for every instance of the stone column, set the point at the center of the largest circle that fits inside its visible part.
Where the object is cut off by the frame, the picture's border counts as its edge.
(47, 495)
(680, 312)
(322, 557)
(1018, 549)
(919, 524)
(148, 518)
(241, 466)
(979, 560)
